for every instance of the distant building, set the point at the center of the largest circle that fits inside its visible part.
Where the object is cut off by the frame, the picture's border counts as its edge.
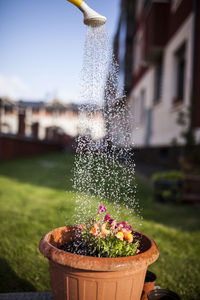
(164, 37)
(48, 120)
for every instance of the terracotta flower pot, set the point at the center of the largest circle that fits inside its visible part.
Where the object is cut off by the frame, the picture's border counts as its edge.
(81, 277)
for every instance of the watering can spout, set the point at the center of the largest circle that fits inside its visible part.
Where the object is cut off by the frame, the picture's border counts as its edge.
(91, 17)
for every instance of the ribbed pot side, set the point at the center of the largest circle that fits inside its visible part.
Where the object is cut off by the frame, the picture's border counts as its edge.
(78, 277)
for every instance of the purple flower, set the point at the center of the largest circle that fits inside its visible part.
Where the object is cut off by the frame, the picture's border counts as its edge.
(110, 221)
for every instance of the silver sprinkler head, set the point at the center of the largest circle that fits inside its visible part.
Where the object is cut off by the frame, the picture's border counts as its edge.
(91, 17)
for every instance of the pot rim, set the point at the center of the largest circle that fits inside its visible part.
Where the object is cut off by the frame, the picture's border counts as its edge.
(163, 292)
(82, 262)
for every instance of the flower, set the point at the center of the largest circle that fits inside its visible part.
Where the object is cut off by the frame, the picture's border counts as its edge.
(120, 235)
(95, 230)
(102, 209)
(113, 224)
(125, 231)
(107, 217)
(128, 227)
(123, 223)
(128, 237)
(125, 235)
(108, 238)
(104, 231)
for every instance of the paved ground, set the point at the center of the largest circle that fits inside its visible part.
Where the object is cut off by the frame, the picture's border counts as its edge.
(27, 296)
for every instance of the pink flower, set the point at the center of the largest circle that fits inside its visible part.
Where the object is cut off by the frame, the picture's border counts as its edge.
(122, 224)
(128, 227)
(102, 209)
(107, 217)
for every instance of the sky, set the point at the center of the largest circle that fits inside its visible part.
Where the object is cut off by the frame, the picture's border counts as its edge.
(41, 47)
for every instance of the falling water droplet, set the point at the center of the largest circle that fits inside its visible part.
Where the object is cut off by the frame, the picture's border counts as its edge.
(104, 170)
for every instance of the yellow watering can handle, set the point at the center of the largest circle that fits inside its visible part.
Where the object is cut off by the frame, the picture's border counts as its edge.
(76, 2)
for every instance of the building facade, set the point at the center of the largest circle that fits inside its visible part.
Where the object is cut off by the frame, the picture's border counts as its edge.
(165, 71)
(48, 120)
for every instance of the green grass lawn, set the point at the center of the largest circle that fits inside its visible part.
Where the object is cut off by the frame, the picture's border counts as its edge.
(36, 196)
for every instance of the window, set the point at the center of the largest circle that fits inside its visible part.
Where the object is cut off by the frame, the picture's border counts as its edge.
(180, 73)
(158, 80)
(35, 110)
(8, 109)
(49, 111)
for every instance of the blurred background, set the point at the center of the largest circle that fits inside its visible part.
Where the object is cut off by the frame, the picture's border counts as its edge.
(157, 46)
(40, 66)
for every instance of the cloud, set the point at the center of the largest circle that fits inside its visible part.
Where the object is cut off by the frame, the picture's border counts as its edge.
(13, 87)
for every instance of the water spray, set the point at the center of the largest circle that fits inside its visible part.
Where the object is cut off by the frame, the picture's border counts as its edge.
(91, 17)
